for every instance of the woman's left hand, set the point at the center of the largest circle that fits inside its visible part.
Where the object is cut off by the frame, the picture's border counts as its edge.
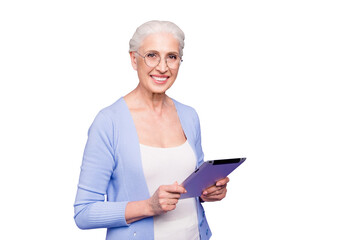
(216, 192)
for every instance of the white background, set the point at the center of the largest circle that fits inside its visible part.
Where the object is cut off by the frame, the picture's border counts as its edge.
(275, 81)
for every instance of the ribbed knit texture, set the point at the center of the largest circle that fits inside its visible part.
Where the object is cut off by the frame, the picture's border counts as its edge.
(103, 215)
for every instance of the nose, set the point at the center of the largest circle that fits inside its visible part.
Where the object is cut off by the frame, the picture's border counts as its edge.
(162, 66)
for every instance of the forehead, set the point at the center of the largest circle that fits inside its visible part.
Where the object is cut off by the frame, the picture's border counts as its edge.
(160, 42)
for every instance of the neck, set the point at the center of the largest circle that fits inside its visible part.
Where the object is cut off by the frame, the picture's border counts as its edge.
(151, 101)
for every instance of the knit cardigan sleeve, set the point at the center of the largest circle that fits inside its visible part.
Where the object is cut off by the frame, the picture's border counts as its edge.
(198, 146)
(91, 209)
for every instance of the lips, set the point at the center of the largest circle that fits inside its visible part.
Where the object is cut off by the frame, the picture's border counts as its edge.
(160, 79)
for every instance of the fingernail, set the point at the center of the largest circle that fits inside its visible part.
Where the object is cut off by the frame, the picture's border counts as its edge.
(205, 193)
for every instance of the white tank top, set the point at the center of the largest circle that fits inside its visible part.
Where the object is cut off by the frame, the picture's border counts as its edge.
(164, 166)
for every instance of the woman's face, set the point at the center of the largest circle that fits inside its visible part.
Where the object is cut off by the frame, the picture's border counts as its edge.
(159, 78)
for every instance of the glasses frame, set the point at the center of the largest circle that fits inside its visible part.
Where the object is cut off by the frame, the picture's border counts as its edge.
(144, 57)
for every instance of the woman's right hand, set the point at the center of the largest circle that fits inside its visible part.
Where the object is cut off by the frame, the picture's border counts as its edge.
(165, 198)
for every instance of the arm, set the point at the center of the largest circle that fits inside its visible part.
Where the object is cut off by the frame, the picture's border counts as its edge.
(116, 214)
(163, 200)
(91, 210)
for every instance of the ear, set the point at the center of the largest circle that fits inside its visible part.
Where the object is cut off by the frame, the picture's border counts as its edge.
(133, 60)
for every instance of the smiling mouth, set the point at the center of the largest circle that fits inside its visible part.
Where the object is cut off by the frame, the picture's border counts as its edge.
(158, 79)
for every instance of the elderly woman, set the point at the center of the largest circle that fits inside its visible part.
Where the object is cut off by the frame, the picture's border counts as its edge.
(141, 147)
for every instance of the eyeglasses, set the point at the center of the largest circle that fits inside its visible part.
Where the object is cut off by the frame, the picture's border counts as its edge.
(152, 59)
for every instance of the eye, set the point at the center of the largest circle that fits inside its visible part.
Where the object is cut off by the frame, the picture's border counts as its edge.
(151, 55)
(173, 56)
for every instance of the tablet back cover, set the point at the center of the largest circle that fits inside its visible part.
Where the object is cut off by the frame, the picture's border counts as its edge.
(208, 174)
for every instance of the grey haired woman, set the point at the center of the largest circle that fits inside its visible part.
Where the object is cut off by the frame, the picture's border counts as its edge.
(141, 147)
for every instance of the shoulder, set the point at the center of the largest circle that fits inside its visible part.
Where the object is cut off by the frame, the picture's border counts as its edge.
(109, 115)
(188, 116)
(115, 110)
(185, 109)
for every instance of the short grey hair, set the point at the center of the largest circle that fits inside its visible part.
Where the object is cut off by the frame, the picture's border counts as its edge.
(156, 27)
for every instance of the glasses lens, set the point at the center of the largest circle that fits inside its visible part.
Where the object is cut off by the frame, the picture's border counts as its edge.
(173, 61)
(152, 59)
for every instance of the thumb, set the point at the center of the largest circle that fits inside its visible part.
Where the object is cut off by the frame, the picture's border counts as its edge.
(182, 187)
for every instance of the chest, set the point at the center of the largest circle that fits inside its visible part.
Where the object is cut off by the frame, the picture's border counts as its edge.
(159, 131)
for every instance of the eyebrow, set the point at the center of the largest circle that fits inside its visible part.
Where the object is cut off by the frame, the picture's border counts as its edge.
(172, 52)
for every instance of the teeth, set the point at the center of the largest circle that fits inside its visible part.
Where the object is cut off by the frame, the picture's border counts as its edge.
(159, 78)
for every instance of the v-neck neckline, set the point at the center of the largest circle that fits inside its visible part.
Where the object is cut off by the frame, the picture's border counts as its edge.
(178, 112)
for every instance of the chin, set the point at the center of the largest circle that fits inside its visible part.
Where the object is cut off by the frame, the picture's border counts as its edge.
(159, 89)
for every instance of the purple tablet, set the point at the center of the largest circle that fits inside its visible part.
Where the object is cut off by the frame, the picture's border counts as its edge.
(208, 174)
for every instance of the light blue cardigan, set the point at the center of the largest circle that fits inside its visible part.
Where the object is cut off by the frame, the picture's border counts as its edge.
(112, 167)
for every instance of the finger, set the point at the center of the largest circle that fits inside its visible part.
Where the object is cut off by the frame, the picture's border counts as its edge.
(168, 208)
(209, 190)
(217, 193)
(168, 195)
(174, 188)
(169, 191)
(212, 189)
(180, 187)
(168, 201)
(215, 196)
(213, 193)
(222, 181)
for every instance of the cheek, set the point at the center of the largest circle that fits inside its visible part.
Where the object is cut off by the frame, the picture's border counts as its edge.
(144, 75)
(143, 70)
(174, 73)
